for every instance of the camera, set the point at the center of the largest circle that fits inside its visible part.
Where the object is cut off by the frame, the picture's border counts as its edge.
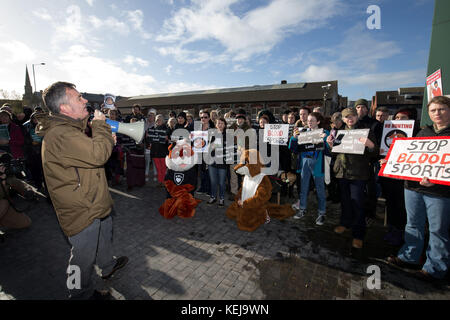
(13, 167)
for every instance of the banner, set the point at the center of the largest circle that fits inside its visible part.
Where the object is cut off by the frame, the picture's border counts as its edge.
(395, 129)
(200, 141)
(310, 140)
(276, 133)
(347, 141)
(416, 158)
(434, 85)
(158, 136)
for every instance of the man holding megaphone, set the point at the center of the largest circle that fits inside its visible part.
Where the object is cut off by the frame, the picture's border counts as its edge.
(75, 176)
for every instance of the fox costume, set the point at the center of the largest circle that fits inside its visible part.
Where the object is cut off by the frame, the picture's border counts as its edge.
(251, 207)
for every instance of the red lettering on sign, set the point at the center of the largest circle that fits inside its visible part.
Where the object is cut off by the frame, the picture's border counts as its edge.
(423, 157)
(444, 156)
(433, 159)
(409, 159)
(401, 157)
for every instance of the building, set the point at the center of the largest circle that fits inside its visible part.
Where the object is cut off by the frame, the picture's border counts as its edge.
(402, 98)
(276, 98)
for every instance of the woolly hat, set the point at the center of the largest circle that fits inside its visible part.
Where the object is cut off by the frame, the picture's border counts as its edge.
(241, 113)
(362, 102)
(182, 114)
(4, 110)
(349, 111)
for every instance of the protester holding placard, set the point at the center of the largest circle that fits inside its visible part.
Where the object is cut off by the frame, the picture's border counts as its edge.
(430, 202)
(333, 188)
(159, 151)
(218, 168)
(393, 191)
(353, 172)
(311, 163)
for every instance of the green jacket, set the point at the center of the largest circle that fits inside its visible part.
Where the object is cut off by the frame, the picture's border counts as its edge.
(73, 169)
(355, 166)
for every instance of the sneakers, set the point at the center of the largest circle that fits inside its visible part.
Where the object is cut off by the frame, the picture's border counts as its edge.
(320, 220)
(211, 200)
(120, 263)
(300, 214)
(340, 229)
(221, 202)
(357, 243)
(296, 206)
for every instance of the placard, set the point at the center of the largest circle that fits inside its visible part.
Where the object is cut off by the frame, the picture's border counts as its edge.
(347, 141)
(157, 135)
(416, 158)
(434, 85)
(310, 140)
(395, 129)
(200, 141)
(276, 133)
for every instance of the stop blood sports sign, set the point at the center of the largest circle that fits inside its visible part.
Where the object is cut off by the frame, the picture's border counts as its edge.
(416, 158)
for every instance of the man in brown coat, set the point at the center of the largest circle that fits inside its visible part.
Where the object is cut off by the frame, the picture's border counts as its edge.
(75, 176)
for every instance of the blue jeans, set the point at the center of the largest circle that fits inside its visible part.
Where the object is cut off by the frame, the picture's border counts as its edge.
(205, 186)
(307, 171)
(352, 206)
(217, 177)
(419, 208)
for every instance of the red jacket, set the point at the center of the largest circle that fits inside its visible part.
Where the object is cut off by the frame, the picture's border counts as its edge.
(16, 141)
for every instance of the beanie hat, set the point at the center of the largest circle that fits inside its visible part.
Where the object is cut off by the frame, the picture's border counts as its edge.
(349, 111)
(182, 114)
(7, 112)
(362, 102)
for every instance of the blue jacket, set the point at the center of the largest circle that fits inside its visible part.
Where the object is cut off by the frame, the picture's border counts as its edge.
(319, 155)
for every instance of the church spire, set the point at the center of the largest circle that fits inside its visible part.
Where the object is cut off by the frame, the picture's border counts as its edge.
(28, 88)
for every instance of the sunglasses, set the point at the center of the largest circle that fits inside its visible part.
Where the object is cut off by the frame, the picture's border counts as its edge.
(203, 117)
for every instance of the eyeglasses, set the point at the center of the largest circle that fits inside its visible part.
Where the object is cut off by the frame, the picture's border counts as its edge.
(203, 117)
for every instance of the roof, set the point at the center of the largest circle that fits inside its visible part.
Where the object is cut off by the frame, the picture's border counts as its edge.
(409, 96)
(257, 93)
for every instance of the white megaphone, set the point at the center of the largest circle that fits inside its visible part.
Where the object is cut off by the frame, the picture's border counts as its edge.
(134, 130)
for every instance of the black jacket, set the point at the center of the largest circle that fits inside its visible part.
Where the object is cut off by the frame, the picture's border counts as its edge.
(159, 150)
(438, 189)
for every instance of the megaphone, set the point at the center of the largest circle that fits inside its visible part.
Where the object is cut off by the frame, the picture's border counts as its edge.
(134, 130)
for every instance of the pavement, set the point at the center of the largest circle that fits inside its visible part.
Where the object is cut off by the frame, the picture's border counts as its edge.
(208, 258)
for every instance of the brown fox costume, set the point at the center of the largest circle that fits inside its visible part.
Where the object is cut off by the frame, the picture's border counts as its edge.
(251, 207)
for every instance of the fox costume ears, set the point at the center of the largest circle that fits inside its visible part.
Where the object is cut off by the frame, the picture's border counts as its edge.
(252, 160)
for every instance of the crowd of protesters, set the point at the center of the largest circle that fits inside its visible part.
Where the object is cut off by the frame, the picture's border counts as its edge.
(349, 179)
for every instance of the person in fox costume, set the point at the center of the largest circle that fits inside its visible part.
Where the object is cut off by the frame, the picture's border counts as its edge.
(180, 182)
(251, 207)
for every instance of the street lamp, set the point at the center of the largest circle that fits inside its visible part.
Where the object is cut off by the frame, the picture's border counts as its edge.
(34, 78)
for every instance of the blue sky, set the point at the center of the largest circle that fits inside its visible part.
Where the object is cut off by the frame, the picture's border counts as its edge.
(145, 47)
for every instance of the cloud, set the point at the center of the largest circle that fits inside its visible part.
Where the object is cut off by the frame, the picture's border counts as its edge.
(136, 18)
(131, 60)
(168, 69)
(43, 14)
(110, 24)
(349, 78)
(93, 74)
(73, 28)
(90, 2)
(15, 51)
(254, 33)
(241, 68)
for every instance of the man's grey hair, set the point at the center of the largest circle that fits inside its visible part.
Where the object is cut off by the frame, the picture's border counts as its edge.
(55, 95)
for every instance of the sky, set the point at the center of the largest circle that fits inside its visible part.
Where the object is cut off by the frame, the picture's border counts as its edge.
(137, 47)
